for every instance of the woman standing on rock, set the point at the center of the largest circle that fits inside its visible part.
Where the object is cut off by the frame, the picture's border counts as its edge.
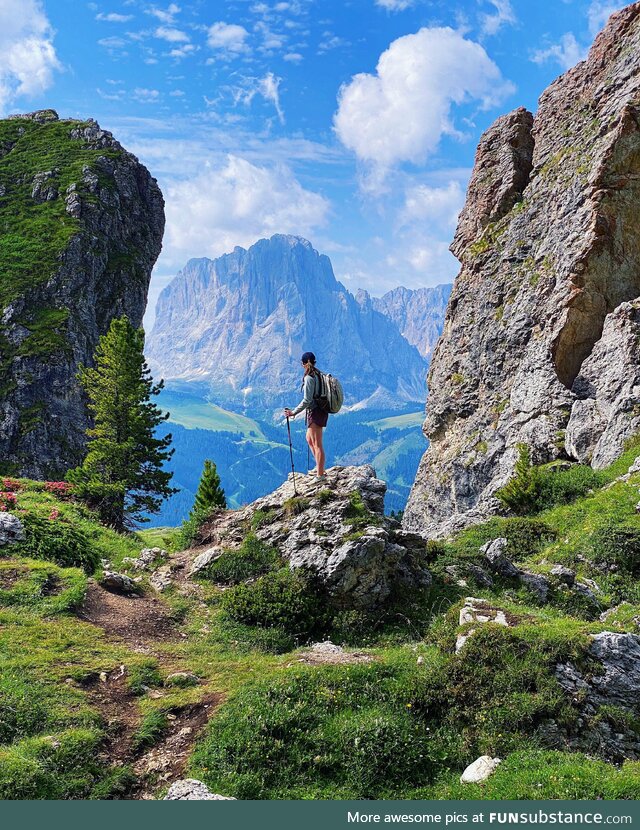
(317, 417)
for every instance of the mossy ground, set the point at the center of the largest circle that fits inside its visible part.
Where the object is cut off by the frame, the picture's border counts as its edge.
(403, 725)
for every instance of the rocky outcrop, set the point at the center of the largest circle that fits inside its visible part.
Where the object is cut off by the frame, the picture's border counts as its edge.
(237, 325)
(547, 293)
(615, 684)
(336, 530)
(418, 313)
(82, 222)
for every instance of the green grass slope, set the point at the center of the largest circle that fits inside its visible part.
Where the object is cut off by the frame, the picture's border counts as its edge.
(400, 718)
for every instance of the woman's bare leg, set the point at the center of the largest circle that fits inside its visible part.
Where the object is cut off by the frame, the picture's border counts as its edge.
(311, 443)
(317, 448)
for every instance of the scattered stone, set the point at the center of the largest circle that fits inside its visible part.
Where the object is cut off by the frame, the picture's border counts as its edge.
(204, 559)
(161, 579)
(536, 583)
(147, 557)
(494, 553)
(182, 679)
(565, 575)
(11, 529)
(480, 770)
(118, 583)
(189, 789)
(477, 610)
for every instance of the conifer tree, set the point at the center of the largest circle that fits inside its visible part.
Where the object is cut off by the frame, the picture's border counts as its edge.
(209, 494)
(122, 475)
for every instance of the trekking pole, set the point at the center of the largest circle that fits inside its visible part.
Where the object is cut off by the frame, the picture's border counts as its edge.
(291, 452)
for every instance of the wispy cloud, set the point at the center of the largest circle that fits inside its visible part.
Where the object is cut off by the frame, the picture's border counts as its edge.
(503, 14)
(112, 17)
(171, 34)
(394, 5)
(566, 53)
(267, 87)
(146, 96)
(167, 15)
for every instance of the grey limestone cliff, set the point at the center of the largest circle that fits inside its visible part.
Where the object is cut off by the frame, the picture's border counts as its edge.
(540, 342)
(82, 227)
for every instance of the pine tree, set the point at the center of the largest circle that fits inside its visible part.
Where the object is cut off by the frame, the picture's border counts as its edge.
(122, 475)
(209, 494)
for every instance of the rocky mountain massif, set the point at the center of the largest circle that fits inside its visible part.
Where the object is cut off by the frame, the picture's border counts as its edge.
(239, 323)
(418, 313)
(82, 223)
(540, 343)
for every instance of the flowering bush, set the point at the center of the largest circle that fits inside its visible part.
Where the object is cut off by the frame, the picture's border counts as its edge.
(60, 489)
(10, 485)
(7, 501)
(54, 514)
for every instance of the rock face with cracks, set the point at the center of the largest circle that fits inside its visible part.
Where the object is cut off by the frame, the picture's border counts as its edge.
(334, 529)
(540, 338)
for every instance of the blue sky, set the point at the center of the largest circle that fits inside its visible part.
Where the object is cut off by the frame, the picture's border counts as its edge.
(353, 124)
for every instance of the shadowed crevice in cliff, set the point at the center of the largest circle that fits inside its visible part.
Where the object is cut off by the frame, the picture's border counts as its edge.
(608, 274)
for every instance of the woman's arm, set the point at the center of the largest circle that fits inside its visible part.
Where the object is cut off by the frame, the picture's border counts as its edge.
(307, 400)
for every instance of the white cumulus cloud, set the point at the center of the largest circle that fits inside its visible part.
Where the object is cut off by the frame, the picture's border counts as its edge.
(401, 112)
(229, 39)
(28, 57)
(236, 204)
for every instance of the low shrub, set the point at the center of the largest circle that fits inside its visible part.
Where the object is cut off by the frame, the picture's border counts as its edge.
(532, 489)
(56, 540)
(283, 599)
(618, 545)
(253, 558)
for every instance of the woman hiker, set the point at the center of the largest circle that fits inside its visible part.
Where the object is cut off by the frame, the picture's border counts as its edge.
(316, 416)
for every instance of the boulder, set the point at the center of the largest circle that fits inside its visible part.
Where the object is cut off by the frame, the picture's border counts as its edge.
(11, 529)
(118, 583)
(480, 770)
(204, 559)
